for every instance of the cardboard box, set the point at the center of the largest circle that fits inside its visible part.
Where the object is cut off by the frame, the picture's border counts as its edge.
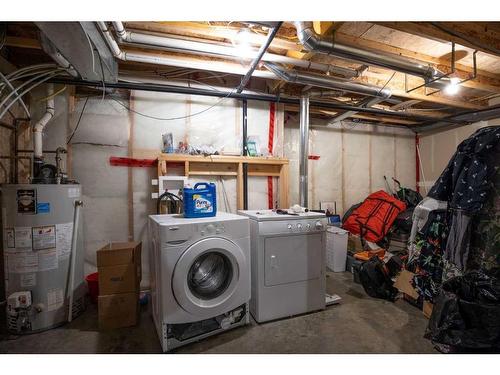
(118, 310)
(119, 267)
(403, 284)
(427, 309)
(355, 243)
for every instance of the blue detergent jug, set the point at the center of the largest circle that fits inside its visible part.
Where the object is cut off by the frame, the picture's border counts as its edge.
(201, 201)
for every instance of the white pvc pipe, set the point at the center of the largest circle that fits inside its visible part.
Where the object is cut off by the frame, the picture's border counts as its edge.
(180, 62)
(40, 125)
(220, 50)
(76, 220)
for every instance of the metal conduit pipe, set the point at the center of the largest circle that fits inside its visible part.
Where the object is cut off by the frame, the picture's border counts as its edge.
(316, 43)
(176, 61)
(304, 150)
(327, 82)
(200, 48)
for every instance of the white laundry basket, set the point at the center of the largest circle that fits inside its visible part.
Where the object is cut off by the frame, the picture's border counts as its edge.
(336, 248)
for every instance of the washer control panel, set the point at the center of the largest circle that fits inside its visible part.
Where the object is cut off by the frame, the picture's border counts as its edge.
(211, 229)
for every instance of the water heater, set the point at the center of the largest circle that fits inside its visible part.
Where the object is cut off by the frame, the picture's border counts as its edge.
(43, 265)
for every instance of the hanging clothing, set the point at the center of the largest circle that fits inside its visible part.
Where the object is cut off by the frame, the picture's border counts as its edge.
(466, 180)
(457, 245)
(465, 184)
(485, 228)
(428, 263)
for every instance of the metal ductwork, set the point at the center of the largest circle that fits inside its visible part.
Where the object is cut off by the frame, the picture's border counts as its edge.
(327, 82)
(316, 43)
(304, 151)
(80, 46)
(51, 50)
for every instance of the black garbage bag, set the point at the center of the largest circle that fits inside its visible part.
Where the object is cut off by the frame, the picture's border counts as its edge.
(466, 315)
(376, 281)
(404, 221)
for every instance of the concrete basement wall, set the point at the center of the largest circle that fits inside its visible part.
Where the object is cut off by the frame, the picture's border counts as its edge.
(354, 158)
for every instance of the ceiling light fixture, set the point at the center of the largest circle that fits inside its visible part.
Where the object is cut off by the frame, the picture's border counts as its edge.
(242, 44)
(453, 86)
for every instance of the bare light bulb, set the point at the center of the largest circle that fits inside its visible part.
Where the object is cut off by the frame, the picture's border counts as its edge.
(453, 87)
(242, 44)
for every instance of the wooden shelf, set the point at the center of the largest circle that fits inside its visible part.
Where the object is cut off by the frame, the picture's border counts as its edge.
(221, 165)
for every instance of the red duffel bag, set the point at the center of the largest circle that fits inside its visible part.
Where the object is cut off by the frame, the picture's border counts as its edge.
(373, 219)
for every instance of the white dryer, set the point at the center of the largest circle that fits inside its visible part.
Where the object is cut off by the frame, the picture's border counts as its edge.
(200, 276)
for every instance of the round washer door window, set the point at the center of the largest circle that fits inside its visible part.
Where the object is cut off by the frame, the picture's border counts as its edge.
(210, 275)
(206, 277)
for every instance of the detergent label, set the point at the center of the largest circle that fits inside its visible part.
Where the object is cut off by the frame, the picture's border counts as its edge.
(201, 204)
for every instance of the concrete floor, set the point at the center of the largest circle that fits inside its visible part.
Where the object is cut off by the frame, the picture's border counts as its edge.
(360, 324)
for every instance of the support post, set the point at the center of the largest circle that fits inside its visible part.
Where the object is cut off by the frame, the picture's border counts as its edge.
(245, 153)
(304, 150)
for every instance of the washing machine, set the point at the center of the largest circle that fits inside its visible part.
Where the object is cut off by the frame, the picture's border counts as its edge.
(200, 276)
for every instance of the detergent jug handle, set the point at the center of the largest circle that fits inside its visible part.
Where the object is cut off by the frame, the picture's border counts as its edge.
(202, 184)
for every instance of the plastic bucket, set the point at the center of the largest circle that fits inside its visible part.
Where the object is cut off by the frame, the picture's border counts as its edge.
(336, 248)
(93, 283)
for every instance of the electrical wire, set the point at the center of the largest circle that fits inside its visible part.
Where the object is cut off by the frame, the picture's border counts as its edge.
(14, 91)
(389, 80)
(102, 75)
(52, 95)
(79, 119)
(36, 84)
(219, 101)
(8, 83)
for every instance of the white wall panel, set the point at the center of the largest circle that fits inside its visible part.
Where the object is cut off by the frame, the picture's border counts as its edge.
(353, 160)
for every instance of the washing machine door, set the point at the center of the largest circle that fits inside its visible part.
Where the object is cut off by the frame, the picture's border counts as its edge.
(206, 277)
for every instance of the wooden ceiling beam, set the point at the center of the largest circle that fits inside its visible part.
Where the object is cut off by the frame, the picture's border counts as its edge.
(475, 35)
(14, 41)
(360, 116)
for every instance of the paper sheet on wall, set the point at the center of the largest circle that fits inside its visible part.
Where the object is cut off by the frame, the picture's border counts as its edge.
(47, 260)
(44, 237)
(23, 238)
(9, 238)
(55, 299)
(64, 235)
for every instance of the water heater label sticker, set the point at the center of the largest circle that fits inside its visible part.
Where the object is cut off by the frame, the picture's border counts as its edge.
(10, 238)
(44, 237)
(23, 239)
(74, 192)
(22, 262)
(28, 280)
(26, 201)
(54, 299)
(47, 260)
(64, 235)
(43, 208)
